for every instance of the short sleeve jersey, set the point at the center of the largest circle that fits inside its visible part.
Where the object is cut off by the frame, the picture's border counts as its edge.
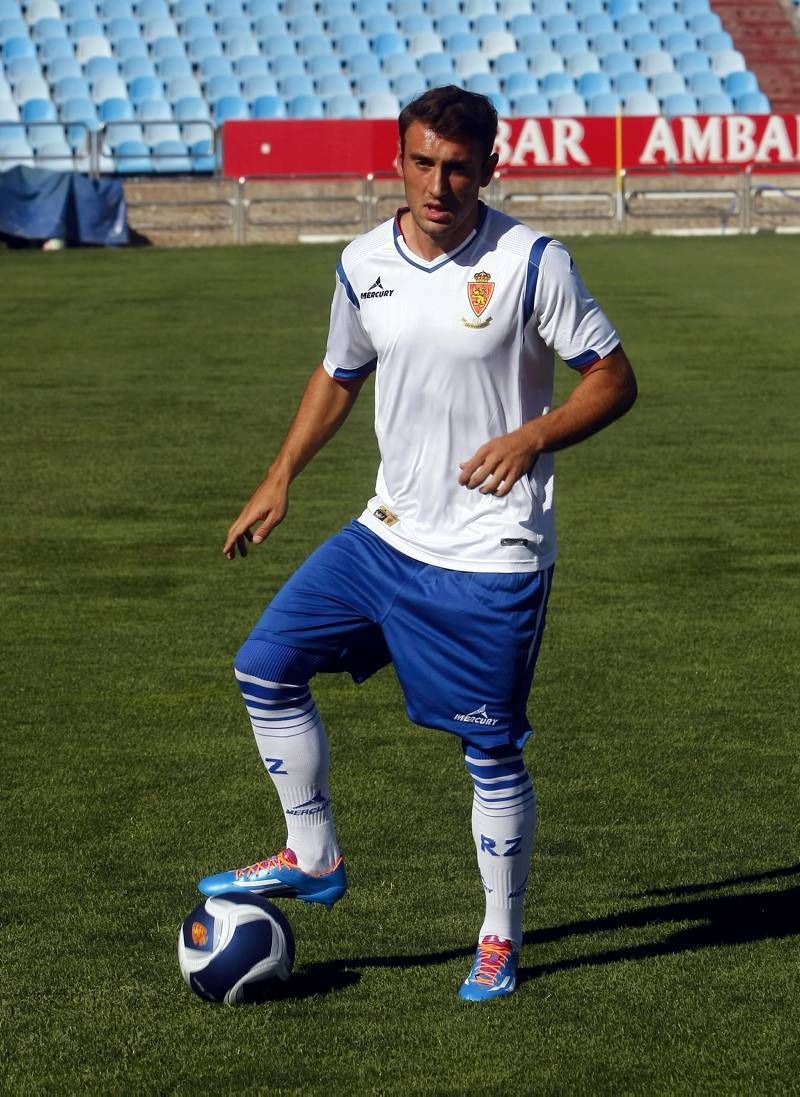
(463, 350)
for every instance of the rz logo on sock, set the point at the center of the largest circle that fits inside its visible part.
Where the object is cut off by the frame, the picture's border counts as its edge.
(274, 765)
(489, 845)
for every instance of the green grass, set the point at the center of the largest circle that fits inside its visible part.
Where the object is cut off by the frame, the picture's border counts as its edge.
(143, 394)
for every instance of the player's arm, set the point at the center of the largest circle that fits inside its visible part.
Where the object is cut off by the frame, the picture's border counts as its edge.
(323, 408)
(606, 390)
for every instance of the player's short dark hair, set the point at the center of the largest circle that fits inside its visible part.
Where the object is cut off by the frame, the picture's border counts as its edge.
(453, 113)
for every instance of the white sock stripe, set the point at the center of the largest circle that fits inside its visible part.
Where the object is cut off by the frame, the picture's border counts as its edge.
(302, 695)
(279, 713)
(277, 726)
(266, 682)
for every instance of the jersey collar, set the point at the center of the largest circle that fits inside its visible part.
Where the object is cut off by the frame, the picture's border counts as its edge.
(429, 266)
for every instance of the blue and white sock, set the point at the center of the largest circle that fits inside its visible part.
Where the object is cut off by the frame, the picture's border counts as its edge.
(503, 825)
(293, 746)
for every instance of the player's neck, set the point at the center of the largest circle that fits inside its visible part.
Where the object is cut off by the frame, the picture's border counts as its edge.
(425, 246)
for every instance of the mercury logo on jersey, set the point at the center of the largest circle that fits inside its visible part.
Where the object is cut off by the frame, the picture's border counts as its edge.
(477, 716)
(376, 290)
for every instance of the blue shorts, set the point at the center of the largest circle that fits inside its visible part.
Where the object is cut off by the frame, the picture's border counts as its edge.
(463, 644)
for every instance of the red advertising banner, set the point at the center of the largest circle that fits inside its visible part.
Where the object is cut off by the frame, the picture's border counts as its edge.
(554, 145)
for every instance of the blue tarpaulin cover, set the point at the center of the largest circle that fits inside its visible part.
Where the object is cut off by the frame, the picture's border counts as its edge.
(36, 204)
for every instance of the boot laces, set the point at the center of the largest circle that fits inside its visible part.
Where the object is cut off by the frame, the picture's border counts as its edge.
(492, 954)
(284, 859)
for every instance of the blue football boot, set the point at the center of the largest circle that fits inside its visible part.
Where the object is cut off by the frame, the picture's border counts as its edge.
(279, 875)
(494, 972)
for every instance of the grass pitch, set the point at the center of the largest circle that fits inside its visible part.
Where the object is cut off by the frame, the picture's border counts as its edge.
(143, 394)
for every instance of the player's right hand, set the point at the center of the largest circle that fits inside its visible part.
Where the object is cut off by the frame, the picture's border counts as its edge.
(267, 506)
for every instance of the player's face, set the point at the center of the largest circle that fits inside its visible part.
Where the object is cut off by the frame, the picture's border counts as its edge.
(442, 181)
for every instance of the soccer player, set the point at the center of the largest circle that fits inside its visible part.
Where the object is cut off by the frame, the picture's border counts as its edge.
(458, 309)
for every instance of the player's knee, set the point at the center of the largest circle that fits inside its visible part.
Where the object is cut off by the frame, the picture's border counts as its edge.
(265, 660)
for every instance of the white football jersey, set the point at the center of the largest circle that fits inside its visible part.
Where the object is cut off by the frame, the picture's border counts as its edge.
(463, 349)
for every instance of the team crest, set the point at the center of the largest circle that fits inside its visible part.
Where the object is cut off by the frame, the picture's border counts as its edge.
(479, 294)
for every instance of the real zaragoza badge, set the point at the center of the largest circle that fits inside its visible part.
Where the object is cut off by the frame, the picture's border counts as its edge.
(479, 293)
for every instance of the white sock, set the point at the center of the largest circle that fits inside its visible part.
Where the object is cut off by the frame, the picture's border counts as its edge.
(503, 825)
(294, 748)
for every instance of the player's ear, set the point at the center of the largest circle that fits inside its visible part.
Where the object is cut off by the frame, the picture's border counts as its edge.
(489, 169)
(398, 160)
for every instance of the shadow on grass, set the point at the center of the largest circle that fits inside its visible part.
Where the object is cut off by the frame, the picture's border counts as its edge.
(718, 920)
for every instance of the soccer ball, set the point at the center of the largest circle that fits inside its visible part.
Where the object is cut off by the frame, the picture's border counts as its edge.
(235, 948)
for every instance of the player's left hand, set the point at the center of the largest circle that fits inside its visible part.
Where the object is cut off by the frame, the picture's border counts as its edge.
(498, 464)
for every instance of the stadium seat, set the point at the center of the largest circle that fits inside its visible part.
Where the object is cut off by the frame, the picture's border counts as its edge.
(701, 84)
(557, 83)
(752, 102)
(182, 87)
(379, 23)
(716, 41)
(117, 133)
(170, 157)
(31, 87)
(704, 23)
(545, 62)
(381, 105)
(597, 23)
(278, 45)
(483, 83)
(70, 87)
(616, 63)
(654, 8)
(15, 151)
(291, 65)
(680, 42)
(739, 82)
(619, 8)
(80, 112)
(667, 83)
(581, 63)
(520, 83)
(18, 49)
(437, 8)
(150, 9)
(488, 23)
(38, 110)
(495, 43)
(169, 68)
(604, 104)
(256, 8)
(694, 62)
(437, 68)
(658, 61)
(222, 85)
(314, 44)
(63, 66)
(547, 8)
(205, 46)
(307, 24)
(607, 43)
(665, 25)
(137, 66)
(633, 24)
(425, 42)
(132, 158)
(474, 9)
(471, 62)
(116, 110)
(524, 24)
(250, 66)
(56, 28)
(326, 64)
(715, 103)
(571, 43)
(593, 83)
(531, 104)
(508, 63)
(568, 104)
(269, 106)
(727, 61)
(678, 103)
(93, 46)
(212, 67)
(143, 88)
(22, 68)
(326, 86)
(54, 155)
(9, 111)
(292, 86)
(398, 63)
(305, 106)
(269, 25)
(640, 103)
(386, 44)
(53, 48)
(644, 42)
(628, 82)
(342, 106)
(260, 83)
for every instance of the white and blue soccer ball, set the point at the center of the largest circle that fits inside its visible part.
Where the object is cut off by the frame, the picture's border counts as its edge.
(236, 949)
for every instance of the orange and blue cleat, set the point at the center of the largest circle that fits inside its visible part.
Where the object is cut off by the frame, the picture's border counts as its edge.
(280, 876)
(494, 972)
